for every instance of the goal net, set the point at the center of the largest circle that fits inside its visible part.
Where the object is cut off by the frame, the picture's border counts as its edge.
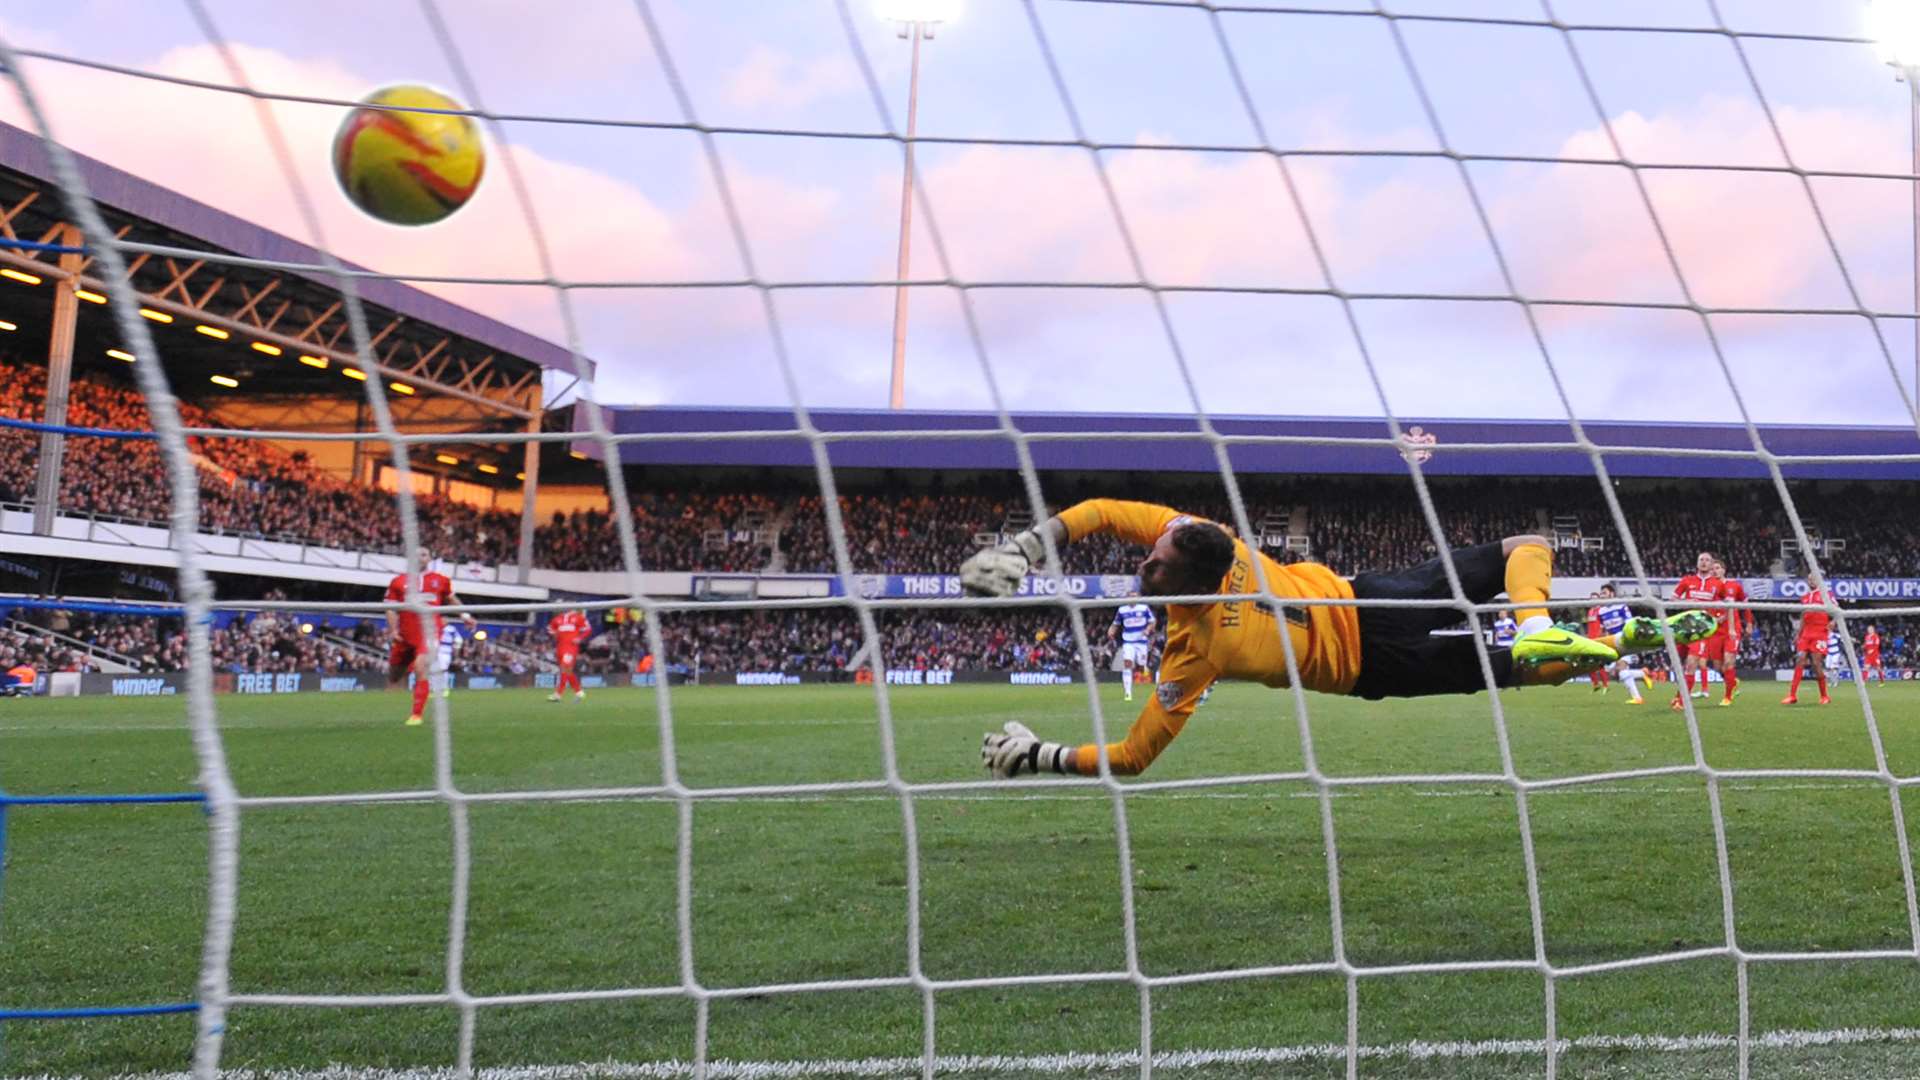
(1351, 977)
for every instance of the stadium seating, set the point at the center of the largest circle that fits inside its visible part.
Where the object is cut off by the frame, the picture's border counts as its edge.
(1352, 524)
(893, 525)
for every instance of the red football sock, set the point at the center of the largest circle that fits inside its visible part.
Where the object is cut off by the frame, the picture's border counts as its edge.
(1733, 683)
(421, 687)
(1820, 673)
(1799, 670)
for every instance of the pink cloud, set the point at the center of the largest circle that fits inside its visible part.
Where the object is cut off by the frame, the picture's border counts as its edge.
(769, 77)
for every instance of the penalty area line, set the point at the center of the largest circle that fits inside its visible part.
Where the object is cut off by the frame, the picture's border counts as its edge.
(1078, 1063)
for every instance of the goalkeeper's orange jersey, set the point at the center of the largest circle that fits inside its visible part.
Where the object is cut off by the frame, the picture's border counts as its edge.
(1235, 639)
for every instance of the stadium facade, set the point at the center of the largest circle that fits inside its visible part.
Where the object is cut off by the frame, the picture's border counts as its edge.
(1133, 442)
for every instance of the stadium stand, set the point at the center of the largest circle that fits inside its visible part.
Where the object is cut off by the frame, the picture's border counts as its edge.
(253, 488)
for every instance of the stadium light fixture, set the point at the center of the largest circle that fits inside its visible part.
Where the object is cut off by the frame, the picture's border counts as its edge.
(401, 388)
(924, 12)
(446, 459)
(270, 350)
(1894, 25)
(20, 276)
(490, 470)
(227, 381)
(120, 354)
(314, 361)
(90, 296)
(156, 316)
(5, 325)
(353, 373)
(212, 332)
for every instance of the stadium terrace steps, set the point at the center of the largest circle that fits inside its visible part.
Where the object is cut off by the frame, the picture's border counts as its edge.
(105, 659)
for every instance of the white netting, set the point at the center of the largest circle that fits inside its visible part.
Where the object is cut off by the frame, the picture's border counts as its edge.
(226, 804)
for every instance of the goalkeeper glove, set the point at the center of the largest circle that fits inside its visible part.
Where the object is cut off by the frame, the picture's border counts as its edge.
(1016, 751)
(998, 571)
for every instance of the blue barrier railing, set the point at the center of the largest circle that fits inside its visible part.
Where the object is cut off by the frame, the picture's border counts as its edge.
(69, 429)
(98, 607)
(42, 245)
(88, 1011)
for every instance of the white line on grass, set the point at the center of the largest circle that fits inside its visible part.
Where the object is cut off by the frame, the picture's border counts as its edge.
(1449, 792)
(1071, 1064)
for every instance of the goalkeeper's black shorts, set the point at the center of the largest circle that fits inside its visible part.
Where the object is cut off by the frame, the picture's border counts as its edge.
(1400, 656)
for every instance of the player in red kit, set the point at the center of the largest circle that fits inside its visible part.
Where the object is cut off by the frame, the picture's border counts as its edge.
(413, 637)
(569, 629)
(1810, 649)
(1702, 588)
(1722, 650)
(1870, 656)
(1599, 677)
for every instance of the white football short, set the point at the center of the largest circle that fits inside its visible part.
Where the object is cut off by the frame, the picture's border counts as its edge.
(1135, 651)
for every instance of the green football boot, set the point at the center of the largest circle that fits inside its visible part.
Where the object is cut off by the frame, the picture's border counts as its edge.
(1642, 634)
(1579, 652)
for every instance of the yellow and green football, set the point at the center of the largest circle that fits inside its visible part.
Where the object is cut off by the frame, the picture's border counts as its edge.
(404, 167)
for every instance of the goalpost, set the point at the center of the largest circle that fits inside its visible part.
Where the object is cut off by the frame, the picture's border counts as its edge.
(227, 806)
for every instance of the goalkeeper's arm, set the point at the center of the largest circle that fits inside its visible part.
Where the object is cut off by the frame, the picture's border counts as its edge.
(1016, 751)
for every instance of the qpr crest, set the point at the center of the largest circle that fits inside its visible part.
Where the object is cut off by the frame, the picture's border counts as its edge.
(1169, 694)
(871, 586)
(1117, 585)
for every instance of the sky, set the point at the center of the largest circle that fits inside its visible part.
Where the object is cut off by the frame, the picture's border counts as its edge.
(1062, 321)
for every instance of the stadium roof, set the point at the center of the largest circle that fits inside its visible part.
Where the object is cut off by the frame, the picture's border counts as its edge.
(268, 336)
(1098, 442)
(24, 152)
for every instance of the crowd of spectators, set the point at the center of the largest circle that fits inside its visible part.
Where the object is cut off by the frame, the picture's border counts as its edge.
(253, 487)
(146, 643)
(250, 487)
(893, 524)
(822, 641)
(682, 530)
(246, 486)
(38, 652)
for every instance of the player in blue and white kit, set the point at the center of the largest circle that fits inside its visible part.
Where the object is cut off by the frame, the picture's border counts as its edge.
(1612, 615)
(443, 659)
(1133, 624)
(1504, 630)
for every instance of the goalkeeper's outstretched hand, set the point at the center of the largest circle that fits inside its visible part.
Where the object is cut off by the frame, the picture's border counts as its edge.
(998, 571)
(1015, 751)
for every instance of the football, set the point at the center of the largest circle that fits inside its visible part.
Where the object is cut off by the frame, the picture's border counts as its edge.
(406, 167)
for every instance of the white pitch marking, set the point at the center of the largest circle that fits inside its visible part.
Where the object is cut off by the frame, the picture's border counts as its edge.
(1077, 1064)
(1448, 792)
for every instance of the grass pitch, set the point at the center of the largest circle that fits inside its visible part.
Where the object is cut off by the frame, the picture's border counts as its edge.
(105, 905)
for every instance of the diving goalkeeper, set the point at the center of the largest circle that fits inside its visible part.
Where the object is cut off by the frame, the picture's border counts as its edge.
(1371, 652)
